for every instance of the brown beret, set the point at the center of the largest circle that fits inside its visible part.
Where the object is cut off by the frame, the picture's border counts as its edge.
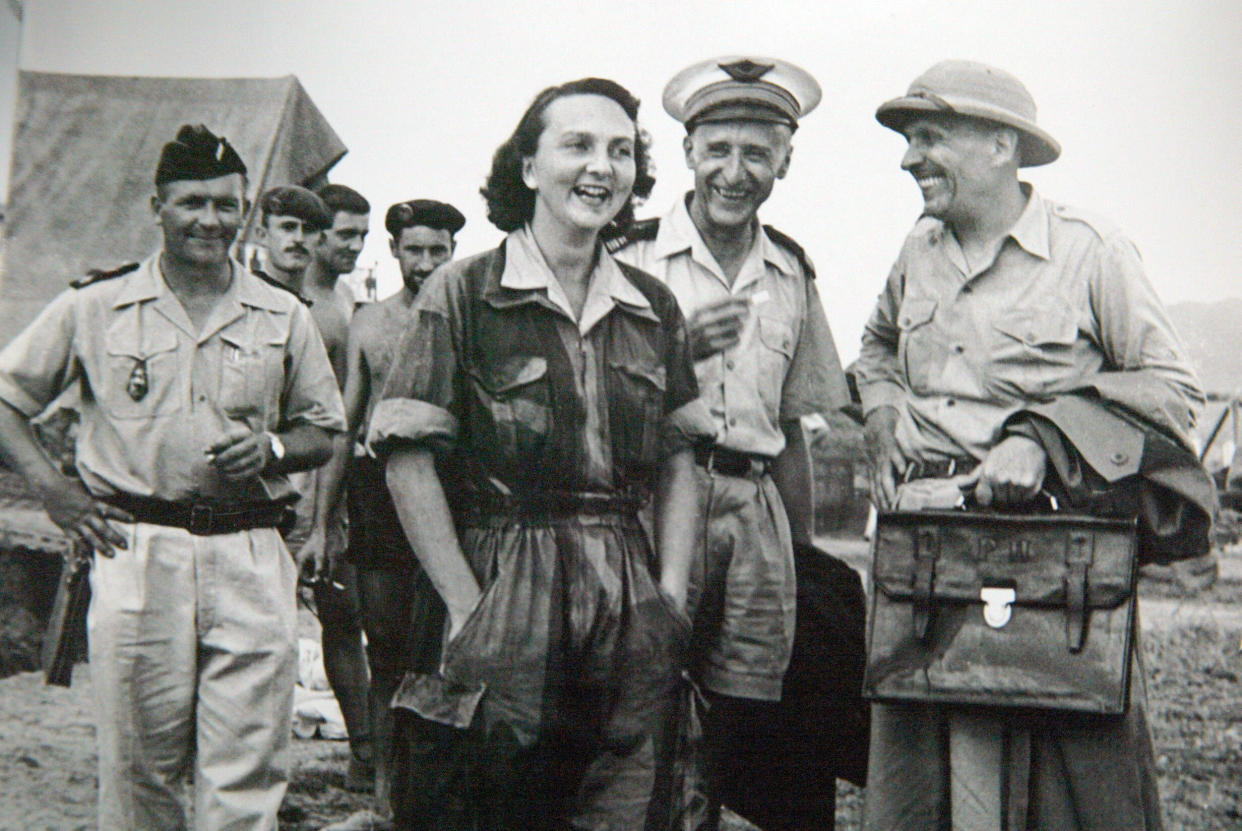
(428, 212)
(291, 200)
(197, 153)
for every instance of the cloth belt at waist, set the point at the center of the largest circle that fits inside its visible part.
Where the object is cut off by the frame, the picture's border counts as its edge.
(205, 518)
(553, 503)
(939, 468)
(731, 462)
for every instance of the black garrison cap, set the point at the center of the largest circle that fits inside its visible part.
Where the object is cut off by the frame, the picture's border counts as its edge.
(197, 153)
(428, 212)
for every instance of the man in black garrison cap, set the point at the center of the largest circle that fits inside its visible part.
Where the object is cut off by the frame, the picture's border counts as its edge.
(207, 387)
(401, 612)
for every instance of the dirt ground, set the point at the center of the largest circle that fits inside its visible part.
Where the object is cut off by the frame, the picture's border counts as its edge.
(1191, 650)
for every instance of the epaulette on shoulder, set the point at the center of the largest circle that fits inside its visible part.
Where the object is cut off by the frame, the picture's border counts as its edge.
(1101, 227)
(98, 275)
(643, 230)
(787, 242)
(274, 283)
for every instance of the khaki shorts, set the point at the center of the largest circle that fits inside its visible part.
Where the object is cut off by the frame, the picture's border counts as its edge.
(742, 588)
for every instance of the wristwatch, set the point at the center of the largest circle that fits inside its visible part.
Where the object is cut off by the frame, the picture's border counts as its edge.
(278, 446)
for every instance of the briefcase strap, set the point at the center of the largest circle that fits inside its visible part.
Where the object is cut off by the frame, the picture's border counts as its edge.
(926, 550)
(1079, 554)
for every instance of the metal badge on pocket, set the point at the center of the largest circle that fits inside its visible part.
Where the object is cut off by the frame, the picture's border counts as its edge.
(137, 385)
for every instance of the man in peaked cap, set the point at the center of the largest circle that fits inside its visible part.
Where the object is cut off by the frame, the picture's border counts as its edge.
(202, 388)
(402, 613)
(764, 359)
(1018, 347)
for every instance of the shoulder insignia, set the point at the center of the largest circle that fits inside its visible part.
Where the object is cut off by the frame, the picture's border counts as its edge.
(274, 283)
(787, 242)
(98, 275)
(642, 230)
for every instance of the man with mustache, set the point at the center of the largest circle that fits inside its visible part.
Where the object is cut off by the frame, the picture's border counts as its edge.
(291, 219)
(334, 252)
(402, 613)
(1018, 348)
(764, 357)
(201, 387)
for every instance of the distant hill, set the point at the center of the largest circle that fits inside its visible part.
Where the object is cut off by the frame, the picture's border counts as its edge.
(1213, 336)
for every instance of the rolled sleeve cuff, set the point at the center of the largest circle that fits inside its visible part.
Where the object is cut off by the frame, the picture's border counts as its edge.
(881, 394)
(322, 417)
(689, 426)
(400, 421)
(18, 399)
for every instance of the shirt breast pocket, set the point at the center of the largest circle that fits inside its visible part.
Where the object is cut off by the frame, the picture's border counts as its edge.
(141, 375)
(252, 376)
(514, 400)
(636, 411)
(916, 344)
(1033, 350)
(776, 336)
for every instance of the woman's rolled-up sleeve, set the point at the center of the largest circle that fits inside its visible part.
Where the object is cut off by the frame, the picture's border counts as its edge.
(418, 406)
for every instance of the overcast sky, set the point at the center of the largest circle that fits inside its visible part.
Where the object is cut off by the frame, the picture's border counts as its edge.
(1144, 96)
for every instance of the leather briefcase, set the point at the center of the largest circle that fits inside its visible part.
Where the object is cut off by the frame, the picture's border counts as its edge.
(1001, 610)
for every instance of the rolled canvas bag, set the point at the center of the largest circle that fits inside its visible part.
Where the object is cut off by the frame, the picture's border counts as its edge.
(1000, 610)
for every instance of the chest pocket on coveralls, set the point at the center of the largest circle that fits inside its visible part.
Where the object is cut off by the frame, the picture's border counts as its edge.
(514, 394)
(1033, 349)
(776, 335)
(252, 374)
(637, 392)
(915, 343)
(141, 378)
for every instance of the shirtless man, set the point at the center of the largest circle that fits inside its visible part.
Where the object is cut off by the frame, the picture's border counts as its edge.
(334, 252)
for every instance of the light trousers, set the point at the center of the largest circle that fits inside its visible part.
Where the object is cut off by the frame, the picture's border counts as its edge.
(193, 661)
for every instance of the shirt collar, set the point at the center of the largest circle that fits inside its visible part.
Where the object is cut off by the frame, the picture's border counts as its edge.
(147, 283)
(678, 233)
(1031, 229)
(526, 271)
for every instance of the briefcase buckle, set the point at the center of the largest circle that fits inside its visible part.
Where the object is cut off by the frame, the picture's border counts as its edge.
(997, 605)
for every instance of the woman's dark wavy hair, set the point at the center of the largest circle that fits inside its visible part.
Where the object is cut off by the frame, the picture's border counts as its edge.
(511, 204)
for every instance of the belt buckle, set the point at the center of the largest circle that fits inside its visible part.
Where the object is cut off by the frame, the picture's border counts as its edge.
(201, 519)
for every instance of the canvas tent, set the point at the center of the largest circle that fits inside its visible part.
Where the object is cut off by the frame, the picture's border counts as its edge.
(84, 155)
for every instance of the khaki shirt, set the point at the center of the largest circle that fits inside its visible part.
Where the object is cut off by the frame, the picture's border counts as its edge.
(1065, 305)
(496, 370)
(258, 362)
(784, 367)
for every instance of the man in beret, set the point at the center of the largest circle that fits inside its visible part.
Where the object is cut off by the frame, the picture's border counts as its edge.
(202, 387)
(402, 613)
(290, 222)
(1018, 347)
(764, 359)
(334, 251)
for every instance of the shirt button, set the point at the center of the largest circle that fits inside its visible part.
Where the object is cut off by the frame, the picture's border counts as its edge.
(729, 365)
(950, 403)
(1119, 458)
(958, 348)
(966, 289)
(733, 422)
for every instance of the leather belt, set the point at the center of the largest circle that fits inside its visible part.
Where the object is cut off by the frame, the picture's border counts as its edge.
(732, 462)
(547, 504)
(204, 518)
(939, 468)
